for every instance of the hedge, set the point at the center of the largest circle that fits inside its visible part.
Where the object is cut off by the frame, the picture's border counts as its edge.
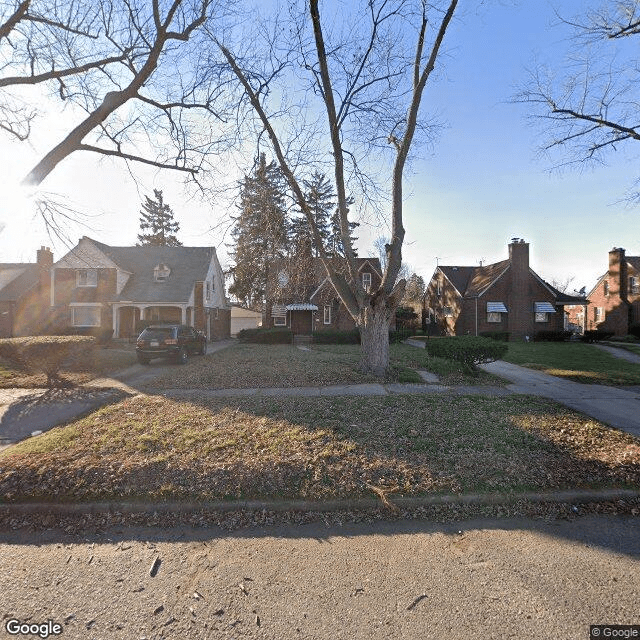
(266, 336)
(469, 351)
(501, 336)
(595, 335)
(552, 336)
(334, 336)
(46, 354)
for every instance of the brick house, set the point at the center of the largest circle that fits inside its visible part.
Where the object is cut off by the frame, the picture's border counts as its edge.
(304, 300)
(96, 286)
(506, 296)
(24, 295)
(615, 299)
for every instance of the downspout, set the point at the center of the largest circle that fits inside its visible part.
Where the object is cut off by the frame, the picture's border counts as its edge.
(476, 316)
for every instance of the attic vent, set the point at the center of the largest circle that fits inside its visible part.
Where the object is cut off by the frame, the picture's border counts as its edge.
(161, 272)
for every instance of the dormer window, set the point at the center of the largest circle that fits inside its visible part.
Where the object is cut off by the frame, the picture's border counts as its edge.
(87, 278)
(161, 273)
(366, 281)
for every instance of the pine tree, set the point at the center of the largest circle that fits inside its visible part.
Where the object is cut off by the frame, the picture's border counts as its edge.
(335, 248)
(260, 233)
(158, 223)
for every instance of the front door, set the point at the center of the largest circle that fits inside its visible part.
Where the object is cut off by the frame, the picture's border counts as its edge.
(301, 323)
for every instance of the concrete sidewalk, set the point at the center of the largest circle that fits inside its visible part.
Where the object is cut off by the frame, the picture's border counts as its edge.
(617, 407)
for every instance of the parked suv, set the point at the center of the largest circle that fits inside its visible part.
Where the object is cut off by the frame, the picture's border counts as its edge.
(177, 341)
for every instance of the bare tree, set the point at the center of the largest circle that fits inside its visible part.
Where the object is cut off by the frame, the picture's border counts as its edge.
(370, 80)
(102, 56)
(591, 109)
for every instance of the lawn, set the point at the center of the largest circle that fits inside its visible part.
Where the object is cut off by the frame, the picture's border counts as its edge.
(574, 361)
(245, 366)
(153, 447)
(106, 361)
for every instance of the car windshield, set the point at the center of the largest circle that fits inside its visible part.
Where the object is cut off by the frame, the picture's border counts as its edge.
(157, 333)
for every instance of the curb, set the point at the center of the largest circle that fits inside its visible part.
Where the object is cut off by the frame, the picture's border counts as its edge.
(153, 508)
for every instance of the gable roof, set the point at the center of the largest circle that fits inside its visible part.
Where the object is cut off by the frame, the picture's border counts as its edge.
(188, 265)
(634, 261)
(16, 278)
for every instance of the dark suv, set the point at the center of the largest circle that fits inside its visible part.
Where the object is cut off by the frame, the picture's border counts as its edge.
(177, 341)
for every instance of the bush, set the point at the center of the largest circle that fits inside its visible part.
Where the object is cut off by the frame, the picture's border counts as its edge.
(102, 335)
(552, 336)
(266, 336)
(333, 336)
(469, 351)
(595, 335)
(500, 336)
(46, 354)
(400, 335)
(634, 329)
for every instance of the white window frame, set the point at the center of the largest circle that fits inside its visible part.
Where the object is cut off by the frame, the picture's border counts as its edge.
(327, 314)
(447, 312)
(279, 321)
(541, 316)
(208, 289)
(494, 316)
(598, 314)
(84, 307)
(161, 273)
(634, 287)
(86, 281)
(366, 280)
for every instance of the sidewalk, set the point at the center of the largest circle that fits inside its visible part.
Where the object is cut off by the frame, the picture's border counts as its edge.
(617, 407)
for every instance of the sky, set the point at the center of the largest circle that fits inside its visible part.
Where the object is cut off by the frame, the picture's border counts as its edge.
(481, 183)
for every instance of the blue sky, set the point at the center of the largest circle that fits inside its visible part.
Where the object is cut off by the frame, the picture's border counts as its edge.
(480, 184)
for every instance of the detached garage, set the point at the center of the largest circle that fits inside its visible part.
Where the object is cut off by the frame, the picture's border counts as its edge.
(242, 318)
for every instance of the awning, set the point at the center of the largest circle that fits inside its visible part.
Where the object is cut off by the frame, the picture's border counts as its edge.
(544, 307)
(278, 311)
(302, 306)
(496, 307)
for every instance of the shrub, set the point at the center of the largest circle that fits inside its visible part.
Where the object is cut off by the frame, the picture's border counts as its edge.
(46, 354)
(634, 329)
(333, 336)
(101, 334)
(595, 335)
(401, 334)
(500, 336)
(266, 336)
(552, 336)
(469, 351)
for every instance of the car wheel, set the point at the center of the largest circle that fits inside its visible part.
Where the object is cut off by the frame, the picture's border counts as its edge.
(183, 356)
(203, 349)
(143, 359)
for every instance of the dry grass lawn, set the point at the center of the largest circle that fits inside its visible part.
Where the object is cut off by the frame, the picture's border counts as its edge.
(152, 447)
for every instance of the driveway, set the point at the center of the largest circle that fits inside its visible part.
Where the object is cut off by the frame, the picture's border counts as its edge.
(617, 407)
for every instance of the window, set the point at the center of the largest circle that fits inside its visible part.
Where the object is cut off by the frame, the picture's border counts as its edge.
(605, 287)
(327, 314)
(439, 288)
(634, 287)
(598, 314)
(542, 316)
(366, 280)
(86, 278)
(161, 273)
(216, 314)
(208, 290)
(447, 312)
(85, 316)
(494, 316)
(280, 321)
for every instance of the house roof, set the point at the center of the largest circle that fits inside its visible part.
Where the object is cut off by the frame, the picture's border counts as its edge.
(16, 278)
(474, 281)
(634, 261)
(188, 265)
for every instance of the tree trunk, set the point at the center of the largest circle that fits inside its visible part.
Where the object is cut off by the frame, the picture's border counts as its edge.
(374, 337)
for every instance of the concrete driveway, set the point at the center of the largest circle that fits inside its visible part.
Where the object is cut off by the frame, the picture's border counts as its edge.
(617, 407)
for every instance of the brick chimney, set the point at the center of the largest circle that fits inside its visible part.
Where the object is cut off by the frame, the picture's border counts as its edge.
(519, 303)
(44, 260)
(519, 257)
(618, 273)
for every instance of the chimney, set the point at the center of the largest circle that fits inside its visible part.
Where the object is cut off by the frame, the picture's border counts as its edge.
(519, 255)
(44, 258)
(618, 272)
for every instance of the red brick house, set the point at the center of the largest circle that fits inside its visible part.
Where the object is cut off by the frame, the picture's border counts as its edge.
(304, 300)
(615, 299)
(24, 295)
(506, 296)
(96, 286)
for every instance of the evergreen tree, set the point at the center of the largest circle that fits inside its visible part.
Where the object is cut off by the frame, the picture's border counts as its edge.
(260, 232)
(158, 223)
(335, 247)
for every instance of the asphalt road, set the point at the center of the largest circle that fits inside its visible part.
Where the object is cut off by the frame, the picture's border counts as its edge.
(513, 578)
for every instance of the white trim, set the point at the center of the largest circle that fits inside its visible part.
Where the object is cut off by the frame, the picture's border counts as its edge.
(494, 280)
(279, 324)
(327, 307)
(86, 306)
(87, 272)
